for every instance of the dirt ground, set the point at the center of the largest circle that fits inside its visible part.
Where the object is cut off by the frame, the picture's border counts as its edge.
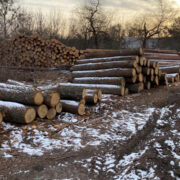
(132, 137)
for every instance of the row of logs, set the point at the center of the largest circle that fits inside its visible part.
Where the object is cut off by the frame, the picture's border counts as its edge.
(21, 103)
(31, 51)
(125, 70)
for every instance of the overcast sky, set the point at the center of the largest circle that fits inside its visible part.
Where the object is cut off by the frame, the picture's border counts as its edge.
(123, 7)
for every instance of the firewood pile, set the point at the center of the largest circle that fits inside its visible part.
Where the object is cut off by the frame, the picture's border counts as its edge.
(31, 51)
(125, 71)
(22, 103)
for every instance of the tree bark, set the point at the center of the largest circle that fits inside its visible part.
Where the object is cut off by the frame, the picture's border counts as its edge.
(160, 51)
(101, 80)
(135, 88)
(115, 72)
(105, 65)
(170, 70)
(91, 98)
(17, 113)
(97, 91)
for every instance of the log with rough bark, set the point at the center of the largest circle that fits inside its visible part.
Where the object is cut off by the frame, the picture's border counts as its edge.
(17, 113)
(108, 59)
(135, 88)
(162, 57)
(73, 107)
(51, 98)
(59, 108)
(115, 72)
(173, 77)
(73, 93)
(105, 65)
(139, 69)
(101, 80)
(24, 97)
(42, 111)
(51, 114)
(95, 53)
(97, 91)
(170, 69)
(106, 89)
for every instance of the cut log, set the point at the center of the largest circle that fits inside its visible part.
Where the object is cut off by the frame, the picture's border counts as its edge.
(126, 91)
(51, 113)
(108, 59)
(147, 85)
(148, 63)
(110, 53)
(1, 116)
(163, 79)
(162, 57)
(173, 77)
(51, 98)
(17, 113)
(82, 101)
(144, 79)
(97, 91)
(105, 65)
(140, 77)
(170, 79)
(59, 108)
(91, 98)
(106, 89)
(24, 97)
(156, 71)
(139, 69)
(146, 71)
(131, 80)
(170, 69)
(73, 107)
(101, 80)
(13, 82)
(73, 93)
(160, 73)
(135, 88)
(156, 80)
(152, 72)
(42, 111)
(115, 72)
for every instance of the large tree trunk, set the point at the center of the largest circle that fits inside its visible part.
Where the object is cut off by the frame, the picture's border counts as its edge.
(95, 53)
(73, 107)
(17, 113)
(101, 80)
(24, 97)
(115, 72)
(108, 59)
(105, 65)
(160, 51)
(106, 89)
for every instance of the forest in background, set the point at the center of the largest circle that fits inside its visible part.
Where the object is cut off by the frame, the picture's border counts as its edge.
(92, 26)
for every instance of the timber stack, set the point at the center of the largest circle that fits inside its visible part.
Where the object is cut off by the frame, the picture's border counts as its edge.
(22, 103)
(31, 51)
(128, 70)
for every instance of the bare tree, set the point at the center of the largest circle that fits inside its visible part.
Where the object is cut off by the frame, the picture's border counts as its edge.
(93, 20)
(174, 30)
(152, 24)
(8, 15)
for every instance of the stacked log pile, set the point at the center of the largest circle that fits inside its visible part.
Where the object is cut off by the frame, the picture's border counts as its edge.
(168, 60)
(128, 70)
(31, 51)
(22, 103)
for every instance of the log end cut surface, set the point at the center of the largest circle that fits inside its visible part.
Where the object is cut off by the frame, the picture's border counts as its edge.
(30, 115)
(59, 108)
(38, 98)
(51, 113)
(42, 111)
(81, 109)
(1, 117)
(55, 98)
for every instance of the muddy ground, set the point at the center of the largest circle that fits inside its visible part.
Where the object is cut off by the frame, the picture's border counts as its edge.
(132, 137)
